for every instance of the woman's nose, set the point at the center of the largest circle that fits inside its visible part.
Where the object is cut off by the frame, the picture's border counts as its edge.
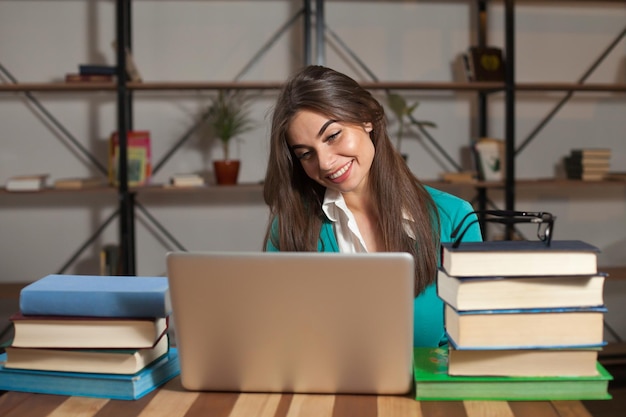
(325, 159)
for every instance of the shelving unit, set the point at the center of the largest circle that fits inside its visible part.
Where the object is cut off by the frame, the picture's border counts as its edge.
(124, 92)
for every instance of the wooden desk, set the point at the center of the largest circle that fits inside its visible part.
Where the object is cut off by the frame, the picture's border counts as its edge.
(172, 401)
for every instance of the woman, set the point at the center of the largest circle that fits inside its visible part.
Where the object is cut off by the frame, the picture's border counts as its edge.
(335, 183)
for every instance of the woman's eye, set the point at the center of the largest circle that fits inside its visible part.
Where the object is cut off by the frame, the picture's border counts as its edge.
(333, 136)
(304, 155)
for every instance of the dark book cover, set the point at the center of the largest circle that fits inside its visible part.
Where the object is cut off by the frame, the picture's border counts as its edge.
(94, 69)
(487, 63)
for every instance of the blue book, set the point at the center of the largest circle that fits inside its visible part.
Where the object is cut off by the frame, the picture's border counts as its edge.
(95, 69)
(113, 386)
(97, 296)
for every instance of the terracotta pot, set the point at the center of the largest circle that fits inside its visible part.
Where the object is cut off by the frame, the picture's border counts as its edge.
(226, 171)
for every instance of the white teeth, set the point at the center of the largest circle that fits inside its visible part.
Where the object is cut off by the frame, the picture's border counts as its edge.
(340, 172)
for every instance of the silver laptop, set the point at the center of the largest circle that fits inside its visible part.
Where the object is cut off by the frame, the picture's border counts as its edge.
(293, 322)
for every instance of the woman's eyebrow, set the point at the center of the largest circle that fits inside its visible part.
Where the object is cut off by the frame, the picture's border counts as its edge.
(324, 127)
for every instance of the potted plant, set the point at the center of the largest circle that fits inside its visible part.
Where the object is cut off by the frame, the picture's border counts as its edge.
(402, 110)
(228, 117)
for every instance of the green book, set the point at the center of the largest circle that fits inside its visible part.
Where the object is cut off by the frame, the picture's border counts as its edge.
(432, 382)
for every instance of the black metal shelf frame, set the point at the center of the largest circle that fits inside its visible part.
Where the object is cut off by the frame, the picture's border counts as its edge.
(312, 13)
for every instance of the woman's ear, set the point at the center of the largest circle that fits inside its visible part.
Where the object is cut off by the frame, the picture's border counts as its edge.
(368, 127)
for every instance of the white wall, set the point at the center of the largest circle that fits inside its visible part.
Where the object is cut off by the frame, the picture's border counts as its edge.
(40, 41)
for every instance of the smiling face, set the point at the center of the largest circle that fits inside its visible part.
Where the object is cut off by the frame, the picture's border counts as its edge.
(337, 155)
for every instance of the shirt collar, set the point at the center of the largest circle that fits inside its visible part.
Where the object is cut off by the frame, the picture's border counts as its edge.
(333, 201)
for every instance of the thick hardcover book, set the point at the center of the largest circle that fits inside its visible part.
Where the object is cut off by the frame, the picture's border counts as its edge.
(97, 296)
(487, 63)
(523, 362)
(490, 293)
(111, 361)
(86, 332)
(520, 258)
(526, 328)
(114, 386)
(433, 382)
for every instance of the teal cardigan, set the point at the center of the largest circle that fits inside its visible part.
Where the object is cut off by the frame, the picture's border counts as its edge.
(427, 308)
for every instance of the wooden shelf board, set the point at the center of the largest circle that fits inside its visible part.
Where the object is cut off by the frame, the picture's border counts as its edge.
(59, 87)
(244, 187)
(274, 85)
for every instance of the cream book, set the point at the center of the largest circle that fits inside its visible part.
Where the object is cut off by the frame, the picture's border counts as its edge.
(33, 182)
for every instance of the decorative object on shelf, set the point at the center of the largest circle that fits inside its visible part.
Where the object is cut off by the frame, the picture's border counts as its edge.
(402, 110)
(131, 67)
(228, 117)
(490, 159)
(486, 63)
(34, 182)
(138, 157)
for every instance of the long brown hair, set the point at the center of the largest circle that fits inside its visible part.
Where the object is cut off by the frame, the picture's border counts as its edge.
(295, 200)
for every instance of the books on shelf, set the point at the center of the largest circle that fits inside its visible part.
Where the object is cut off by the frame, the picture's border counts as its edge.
(88, 78)
(459, 177)
(97, 69)
(525, 328)
(433, 382)
(111, 361)
(520, 258)
(588, 164)
(32, 182)
(523, 362)
(139, 157)
(76, 183)
(97, 296)
(488, 293)
(602, 153)
(486, 63)
(186, 180)
(86, 332)
(99, 385)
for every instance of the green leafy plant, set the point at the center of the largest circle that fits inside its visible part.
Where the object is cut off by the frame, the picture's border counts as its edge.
(228, 117)
(403, 111)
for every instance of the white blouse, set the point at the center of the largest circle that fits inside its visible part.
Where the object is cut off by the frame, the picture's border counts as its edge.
(349, 237)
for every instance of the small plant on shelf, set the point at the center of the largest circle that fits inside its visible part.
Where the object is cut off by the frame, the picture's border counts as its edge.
(228, 117)
(402, 110)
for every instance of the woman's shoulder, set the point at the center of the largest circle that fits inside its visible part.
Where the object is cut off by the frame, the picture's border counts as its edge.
(446, 201)
(451, 209)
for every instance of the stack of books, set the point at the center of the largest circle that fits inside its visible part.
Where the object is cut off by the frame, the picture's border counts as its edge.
(589, 164)
(97, 336)
(519, 315)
